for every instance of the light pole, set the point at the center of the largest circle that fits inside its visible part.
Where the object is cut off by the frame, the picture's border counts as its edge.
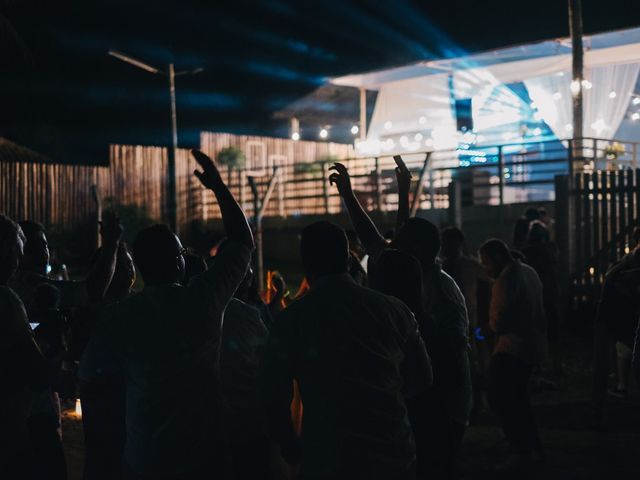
(171, 74)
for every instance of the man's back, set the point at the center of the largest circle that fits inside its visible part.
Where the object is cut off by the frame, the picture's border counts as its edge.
(165, 341)
(346, 346)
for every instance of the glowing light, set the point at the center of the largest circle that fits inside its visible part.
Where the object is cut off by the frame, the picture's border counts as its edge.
(575, 87)
(587, 84)
(508, 135)
(324, 133)
(417, 137)
(78, 409)
(592, 271)
(636, 100)
(635, 116)
(613, 94)
(599, 125)
(388, 125)
(537, 132)
(557, 95)
(355, 129)
(422, 120)
(295, 136)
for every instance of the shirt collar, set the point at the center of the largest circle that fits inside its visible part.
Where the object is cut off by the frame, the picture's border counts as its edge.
(331, 280)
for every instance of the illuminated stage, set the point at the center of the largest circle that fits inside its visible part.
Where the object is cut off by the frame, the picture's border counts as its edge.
(506, 96)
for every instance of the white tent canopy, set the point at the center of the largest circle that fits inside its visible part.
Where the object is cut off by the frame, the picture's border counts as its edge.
(415, 102)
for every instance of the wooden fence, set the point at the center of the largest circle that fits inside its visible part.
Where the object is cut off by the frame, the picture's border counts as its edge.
(606, 209)
(61, 194)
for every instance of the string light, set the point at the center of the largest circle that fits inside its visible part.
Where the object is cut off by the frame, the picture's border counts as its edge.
(613, 94)
(422, 120)
(636, 100)
(388, 125)
(575, 87)
(324, 133)
(355, 129)
(295, 136)
(587, 84)
(635, 116)
(417, 137)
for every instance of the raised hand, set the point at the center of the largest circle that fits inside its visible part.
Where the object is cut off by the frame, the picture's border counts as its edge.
(209, 176)
(403, 175)
(110, 228)
(341, 179)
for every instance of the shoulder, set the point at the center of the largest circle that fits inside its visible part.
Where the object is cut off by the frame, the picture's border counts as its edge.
(15, 323)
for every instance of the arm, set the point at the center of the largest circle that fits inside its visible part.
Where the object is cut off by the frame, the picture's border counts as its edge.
(100, 276)
(235, 223)
(364, 227)
(416, 370)
(636, 355)
(498, 309)
(277, 389)
(403, 177)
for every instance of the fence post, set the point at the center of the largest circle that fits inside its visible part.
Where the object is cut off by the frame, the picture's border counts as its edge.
(455, 204)
(378, 191)
(565, 229)
(325, 187)
(500, 177)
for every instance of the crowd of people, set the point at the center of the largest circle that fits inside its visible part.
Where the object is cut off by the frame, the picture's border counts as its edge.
(374, 370)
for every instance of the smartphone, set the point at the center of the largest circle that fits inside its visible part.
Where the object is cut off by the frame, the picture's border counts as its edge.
(400, 163)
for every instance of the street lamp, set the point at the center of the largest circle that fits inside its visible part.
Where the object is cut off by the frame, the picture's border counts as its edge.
(171, 74)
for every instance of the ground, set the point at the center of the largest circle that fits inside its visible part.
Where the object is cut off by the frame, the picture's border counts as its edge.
(575, 449)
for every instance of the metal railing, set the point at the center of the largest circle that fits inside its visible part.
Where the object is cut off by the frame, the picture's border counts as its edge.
(485, 175)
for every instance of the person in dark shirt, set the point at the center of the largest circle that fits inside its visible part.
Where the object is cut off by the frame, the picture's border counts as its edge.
(356, 354)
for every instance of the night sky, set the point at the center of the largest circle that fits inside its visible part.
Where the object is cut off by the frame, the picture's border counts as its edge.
(61, 94)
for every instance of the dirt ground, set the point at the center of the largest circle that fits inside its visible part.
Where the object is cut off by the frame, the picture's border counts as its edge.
(575, 449)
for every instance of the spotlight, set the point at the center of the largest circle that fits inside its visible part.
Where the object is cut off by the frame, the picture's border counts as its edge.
(295, 136)
(355, 129)
(324, 133)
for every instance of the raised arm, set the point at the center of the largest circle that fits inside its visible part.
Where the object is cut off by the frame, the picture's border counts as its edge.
(403, 177)
(364, 227)
(101, 273)
(235, 223)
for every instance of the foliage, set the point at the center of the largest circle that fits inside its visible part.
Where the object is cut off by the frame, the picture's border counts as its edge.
(231, 157)
(133, 217)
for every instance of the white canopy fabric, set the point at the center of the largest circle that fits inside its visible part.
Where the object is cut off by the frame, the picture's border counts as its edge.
(416, 99)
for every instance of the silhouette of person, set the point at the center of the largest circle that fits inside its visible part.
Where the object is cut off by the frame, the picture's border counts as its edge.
(165, 343)
(355, 354)
(517, 317)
